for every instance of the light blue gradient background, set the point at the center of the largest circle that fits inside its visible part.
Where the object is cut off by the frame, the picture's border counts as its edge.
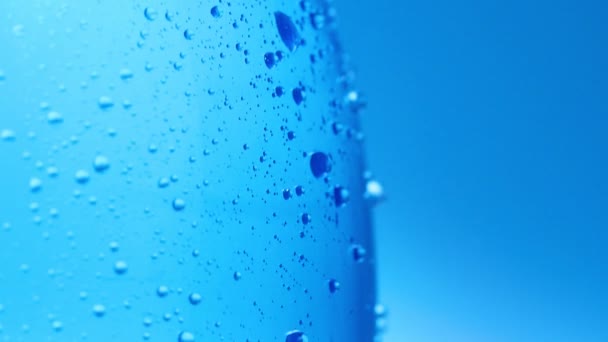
(488, 125)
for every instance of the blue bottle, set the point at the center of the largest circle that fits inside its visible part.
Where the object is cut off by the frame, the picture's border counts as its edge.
(181, 171)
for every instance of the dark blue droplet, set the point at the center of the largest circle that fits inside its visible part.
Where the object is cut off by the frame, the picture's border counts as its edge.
(306, 218)
(287, 30)
(298, 95)
(319, 164)
(215, 12)
(291, 135)
(299, 190)
(333, 285)
(270, 59)
(286, 194)
(296, 336)
(341, 196)
(279, 91)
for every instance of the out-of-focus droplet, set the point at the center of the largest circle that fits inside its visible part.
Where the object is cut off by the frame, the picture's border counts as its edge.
(82, 176)
(287, 31)
(215, 12)
(99, 310)
(333, 285)
(35, 184)
(105, 102)
(101, 163)
(195, 298)
(185, 336)
(120, 267)
(319, 164)
(54, 118)
(341, 196)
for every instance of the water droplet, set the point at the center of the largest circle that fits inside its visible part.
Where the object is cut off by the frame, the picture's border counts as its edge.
(82, 176)
(185, 336)
(333, 285)
(7, 135)
(341, 196)
(113, 246)
(35, 184)
(295, 336)
(270, 59)
(54, 118)
(286, 194)
(188, 34)
(101, 163)
(279, 91)
(215, 12)
(126, 74)
(358, 253)
(298, 95)
(319, 164)
(374, 190)
(195, 298)
(163, 182)
(99, 310)
(120, 267)
(105, 102)
(287, 30)
(179, 204)
(299, 190)
(162, 291)
(306, 218)
(150, 13)
(57, 325)
(317, 20)
(237, 275)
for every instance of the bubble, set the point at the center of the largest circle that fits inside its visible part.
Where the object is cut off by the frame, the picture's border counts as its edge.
(120, 267)
(195, 298)
(105, 102)
(35, 184)
(99, 310)
(162, 291)
(188, 34)
(101, 163)
(179, 204)
(237, 276)
(341, 196)
(295, 336)
(126, 74)
(7, 135)
(287, 31)
(54, 118)
(306, 218)
(333, 285)
(298, 95)
(185, 336)
(82, 176)
(150, 13)
(319, 164)
(215, 12)
(358, 253)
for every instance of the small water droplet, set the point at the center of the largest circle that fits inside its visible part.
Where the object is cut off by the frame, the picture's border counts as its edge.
(179, 204)
(298, 95)
(105, 102)
(341, 196)
(54, 118)
(188, 34)
(358, 253)
(35, 184)
(270, 59)
(162, 291)
(120, 267)
(215, 12)
(126, 74)
(286, 194)
(101, 163)
(82, 176)
(306, 218)
(57, 325)
(299, 190)
(150, 13)
(185, 336)
(237, 276)
(333, 285)
(195, 298)
(99, 310)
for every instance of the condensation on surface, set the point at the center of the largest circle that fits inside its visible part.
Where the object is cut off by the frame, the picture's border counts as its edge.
(181, 171)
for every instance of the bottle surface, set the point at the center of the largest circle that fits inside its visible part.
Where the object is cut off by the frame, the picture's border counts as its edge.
(180, 171)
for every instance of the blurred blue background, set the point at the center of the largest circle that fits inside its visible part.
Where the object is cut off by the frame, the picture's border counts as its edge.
(488, 126)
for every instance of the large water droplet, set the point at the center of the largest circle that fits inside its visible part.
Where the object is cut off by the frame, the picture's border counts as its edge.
(179, 204)
(150, 13)
(120, 267)
(287, 30)
(298, 95)
(162, 291)
(195, 298)
(295, 336)
(319, 164)
(215, 12)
